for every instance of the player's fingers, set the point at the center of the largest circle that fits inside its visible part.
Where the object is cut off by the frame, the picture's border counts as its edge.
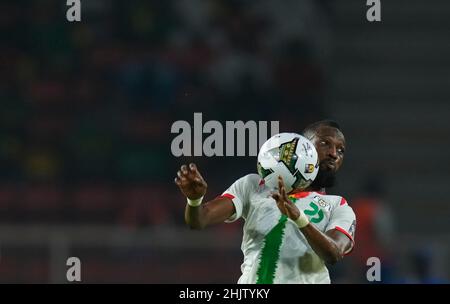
(184, 169)
(283, 194)
(280, 205)
(181, 176)
(288, 205)
(193, 167)
(179, 182)
(284, 201)
(289, 209)
(281, 186)
(193, 170)
(199, 180)
(197, 174)
(276, 196)
(282, 208)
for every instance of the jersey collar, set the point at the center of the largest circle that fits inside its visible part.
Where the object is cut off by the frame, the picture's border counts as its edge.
(302, 194)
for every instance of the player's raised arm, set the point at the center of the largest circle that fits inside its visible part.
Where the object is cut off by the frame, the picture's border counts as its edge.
(330, 246)
(199, 215)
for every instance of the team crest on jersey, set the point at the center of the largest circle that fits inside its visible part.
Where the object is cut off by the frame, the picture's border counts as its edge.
(322, 203)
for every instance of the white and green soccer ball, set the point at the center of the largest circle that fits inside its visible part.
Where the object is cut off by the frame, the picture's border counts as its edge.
(291, 156)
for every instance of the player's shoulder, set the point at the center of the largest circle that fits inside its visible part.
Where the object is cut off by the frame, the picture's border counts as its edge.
(250, 183)
(251, 180)
(335, 200)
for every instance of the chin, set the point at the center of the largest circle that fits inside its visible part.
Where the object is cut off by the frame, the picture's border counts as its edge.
(326, 178)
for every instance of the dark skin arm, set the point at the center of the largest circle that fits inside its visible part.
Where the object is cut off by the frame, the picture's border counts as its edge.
(213, 212)
(329, 246)
(193, 186)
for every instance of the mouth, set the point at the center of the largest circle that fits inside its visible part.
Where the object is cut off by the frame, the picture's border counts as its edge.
(330, 165)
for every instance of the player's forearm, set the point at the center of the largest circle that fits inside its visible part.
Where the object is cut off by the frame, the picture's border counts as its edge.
(195, 217)
(213, 212)
(323, 245)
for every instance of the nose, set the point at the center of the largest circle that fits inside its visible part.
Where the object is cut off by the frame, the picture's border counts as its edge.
(332, 152)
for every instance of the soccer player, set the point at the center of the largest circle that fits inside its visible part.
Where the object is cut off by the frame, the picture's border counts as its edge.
(288, 237)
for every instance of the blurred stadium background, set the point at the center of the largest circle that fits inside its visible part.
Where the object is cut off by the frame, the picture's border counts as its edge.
(86, 108)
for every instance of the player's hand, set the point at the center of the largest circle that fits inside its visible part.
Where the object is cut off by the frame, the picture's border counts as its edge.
(191, 182)
(286, 206)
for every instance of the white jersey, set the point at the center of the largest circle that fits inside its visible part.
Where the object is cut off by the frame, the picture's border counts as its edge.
(275, 250)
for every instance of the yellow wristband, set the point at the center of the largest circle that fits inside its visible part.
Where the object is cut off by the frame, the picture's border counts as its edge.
(194, 202)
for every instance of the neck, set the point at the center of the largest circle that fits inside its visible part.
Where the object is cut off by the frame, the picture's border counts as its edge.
(312, 188)
(309, 189)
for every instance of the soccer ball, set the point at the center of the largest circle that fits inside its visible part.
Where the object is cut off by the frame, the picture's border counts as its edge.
(291, 156)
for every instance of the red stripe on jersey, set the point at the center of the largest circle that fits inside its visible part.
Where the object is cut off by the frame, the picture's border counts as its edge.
(227, 195)
(343, 202)
(348, 235)
(344, 232)
(300, 194)
(261, 182)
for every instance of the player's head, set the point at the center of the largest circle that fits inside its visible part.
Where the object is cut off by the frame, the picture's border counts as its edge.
(327, 137)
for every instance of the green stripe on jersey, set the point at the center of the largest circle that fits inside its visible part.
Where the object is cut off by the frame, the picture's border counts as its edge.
(271, 252)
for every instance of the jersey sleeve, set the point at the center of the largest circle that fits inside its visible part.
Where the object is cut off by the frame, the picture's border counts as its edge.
(343, 219)
(239, 193)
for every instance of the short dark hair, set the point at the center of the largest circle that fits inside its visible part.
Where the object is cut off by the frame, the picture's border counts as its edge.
(312, 128)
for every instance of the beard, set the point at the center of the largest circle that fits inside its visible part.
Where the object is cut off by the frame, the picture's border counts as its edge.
(324, 179)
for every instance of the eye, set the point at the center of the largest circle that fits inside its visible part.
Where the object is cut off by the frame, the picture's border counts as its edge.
(341, 151)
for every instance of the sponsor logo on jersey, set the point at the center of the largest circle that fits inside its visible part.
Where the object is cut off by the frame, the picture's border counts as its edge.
(322, 203)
